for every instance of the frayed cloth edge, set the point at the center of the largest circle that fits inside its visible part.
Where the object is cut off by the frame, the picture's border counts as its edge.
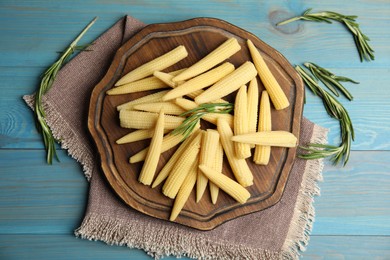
(298, 236)
(68, 139)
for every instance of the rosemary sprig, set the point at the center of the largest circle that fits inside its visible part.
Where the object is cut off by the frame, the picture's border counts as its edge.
(196, 114)
(330, 80)
(48, 78)
(361, 40)
(336, 110)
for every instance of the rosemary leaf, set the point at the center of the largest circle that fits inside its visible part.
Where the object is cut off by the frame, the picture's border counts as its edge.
(47, 80)
(186, 127)
(330, 80)
(361, 40)
(336, 110)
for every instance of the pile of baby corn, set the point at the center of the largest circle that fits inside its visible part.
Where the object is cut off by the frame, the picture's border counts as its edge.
(199, 158)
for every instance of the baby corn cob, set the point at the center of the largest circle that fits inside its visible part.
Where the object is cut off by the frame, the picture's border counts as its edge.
(203, 80)
(181, 168)
(218, 165)
(253, 104)
(149, 83)
(263, 152)
(146, 120)
(221, 53)
(186, 104)
(229, 83)
(184, 192)
(162, 62)
(208, 149)
(240, 168)
(167, 78)
(163, 174)
(169, 108)
(241, 123)
(155, 97)
(201, 180)
(211, 117)
(195, 93)
(169, 141)
(151, 161)
(278, 98)
(137, 135)
(228, 185)
(270, 138)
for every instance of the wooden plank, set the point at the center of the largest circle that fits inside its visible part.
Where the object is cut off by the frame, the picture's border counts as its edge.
(36, 198)
(17, 126)
(50, 27)
(348, 247)
(62, 247)
(355, 199)
(369, 110)
(68, 247)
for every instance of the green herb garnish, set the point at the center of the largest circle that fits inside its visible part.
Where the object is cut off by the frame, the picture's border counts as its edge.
(330, 80)
(361, 40)
(47, 81)
(336, 110)
(196, 114)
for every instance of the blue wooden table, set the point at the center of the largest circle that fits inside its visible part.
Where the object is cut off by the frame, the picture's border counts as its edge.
(41, 205)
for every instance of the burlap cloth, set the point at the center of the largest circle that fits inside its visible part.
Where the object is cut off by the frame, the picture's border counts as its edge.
(281, 231)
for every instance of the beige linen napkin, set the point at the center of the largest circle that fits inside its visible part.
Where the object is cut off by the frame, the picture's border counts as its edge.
(280, 231)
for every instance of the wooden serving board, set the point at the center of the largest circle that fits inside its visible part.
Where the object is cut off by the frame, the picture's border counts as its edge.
(199, 36)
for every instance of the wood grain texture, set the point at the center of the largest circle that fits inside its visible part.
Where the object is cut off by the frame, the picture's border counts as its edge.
(348, 247)
(355, 209)
(39, 199)
(33, 31)
(63, 247)
(31, 46)
(369, 111)
(200, 36)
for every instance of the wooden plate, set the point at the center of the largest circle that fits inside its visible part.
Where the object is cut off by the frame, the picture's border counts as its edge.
(200, 36)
